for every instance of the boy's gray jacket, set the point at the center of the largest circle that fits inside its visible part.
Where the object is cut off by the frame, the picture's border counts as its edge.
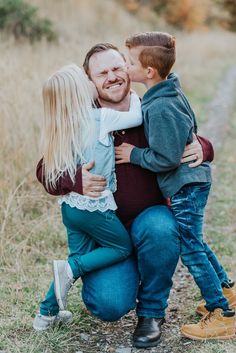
(169, 123)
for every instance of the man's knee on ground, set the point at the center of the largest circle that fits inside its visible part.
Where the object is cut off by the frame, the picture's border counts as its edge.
(105, 310)
(110, 293)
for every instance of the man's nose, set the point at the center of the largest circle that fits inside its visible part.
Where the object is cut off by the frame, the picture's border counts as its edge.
(111, 76)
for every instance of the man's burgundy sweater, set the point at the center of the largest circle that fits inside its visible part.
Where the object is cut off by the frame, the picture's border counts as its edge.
(137, 188)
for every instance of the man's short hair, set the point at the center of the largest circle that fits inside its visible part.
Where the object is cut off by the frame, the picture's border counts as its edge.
(100, 47)
(159, 51)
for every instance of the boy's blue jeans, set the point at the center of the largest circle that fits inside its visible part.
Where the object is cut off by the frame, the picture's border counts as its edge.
(111, 292)
(188, 207)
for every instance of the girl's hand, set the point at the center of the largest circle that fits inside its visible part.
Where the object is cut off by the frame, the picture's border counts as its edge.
(123, 153)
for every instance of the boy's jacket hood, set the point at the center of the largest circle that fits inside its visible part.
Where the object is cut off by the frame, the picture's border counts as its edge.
(166, 88)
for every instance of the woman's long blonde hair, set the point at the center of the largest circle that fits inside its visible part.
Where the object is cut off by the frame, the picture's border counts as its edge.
(69, 125)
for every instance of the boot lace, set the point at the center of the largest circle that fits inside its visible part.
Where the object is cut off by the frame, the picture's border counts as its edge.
(206, 319)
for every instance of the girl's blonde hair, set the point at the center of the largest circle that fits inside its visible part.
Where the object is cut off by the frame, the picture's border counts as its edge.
(69, 125)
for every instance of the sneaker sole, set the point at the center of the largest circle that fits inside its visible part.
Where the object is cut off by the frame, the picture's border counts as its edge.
(208, 338)
(39, 329)
(57, 285)
(42, 328)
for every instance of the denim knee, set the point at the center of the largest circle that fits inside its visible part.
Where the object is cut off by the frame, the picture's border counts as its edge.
(111, 292)
(155, 223)
(107, 311)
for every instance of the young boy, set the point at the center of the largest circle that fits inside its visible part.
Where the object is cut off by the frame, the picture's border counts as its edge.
(169, 125)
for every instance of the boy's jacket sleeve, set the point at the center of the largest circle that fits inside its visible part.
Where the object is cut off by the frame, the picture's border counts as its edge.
(167, 138)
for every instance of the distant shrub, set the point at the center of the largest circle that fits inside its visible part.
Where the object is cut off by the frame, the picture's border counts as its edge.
(135, 5)
(187, 14)
(230, 6)
(21, 19)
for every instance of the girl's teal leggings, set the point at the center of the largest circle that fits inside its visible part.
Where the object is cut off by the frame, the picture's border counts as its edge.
(95, 239)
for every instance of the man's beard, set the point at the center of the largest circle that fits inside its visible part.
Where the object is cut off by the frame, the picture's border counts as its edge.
(106, 98)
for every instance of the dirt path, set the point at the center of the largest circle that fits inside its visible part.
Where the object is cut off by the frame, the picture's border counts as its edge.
(220, 110)
(116, 338)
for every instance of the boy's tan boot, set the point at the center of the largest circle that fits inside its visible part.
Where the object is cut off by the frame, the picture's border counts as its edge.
(229, 294)
(218, 324)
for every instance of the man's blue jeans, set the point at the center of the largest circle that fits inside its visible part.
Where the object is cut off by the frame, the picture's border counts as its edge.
(188, 207)
(111, 292)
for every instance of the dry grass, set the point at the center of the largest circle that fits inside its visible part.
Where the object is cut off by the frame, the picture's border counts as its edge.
(31, 233)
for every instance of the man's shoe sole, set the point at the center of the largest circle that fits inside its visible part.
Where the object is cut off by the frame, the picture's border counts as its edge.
(57, 285)
(146, 345)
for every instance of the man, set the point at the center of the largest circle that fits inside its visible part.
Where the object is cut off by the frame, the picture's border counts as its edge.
(111, 292)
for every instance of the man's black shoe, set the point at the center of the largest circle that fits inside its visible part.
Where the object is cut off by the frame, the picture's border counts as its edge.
(147, 332)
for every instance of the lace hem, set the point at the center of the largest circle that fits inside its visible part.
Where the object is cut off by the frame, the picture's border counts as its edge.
(103, 203)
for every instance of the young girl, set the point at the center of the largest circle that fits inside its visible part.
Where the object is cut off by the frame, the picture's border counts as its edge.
(74, 132)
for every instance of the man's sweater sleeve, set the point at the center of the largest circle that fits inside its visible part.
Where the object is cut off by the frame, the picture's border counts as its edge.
(64, 184)
(167, 139)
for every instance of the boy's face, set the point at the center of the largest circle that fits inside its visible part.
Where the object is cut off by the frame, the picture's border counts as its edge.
(136, 71)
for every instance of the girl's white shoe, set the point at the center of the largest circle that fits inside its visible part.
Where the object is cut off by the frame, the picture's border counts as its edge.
(43, 322)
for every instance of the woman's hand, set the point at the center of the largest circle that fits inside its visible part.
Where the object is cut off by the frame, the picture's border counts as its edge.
(123, 153)
(193, 152)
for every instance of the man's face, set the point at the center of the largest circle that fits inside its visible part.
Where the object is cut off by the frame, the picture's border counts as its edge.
(136, 71)
(108, 72)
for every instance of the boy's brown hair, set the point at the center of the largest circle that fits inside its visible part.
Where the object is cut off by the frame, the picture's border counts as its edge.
(158, 52)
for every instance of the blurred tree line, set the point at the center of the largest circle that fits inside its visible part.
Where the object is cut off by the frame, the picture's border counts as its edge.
(21, 19)
(189, 14)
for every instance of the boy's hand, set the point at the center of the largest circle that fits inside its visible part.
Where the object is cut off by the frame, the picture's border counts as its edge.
(193, 153)
(123, 153)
